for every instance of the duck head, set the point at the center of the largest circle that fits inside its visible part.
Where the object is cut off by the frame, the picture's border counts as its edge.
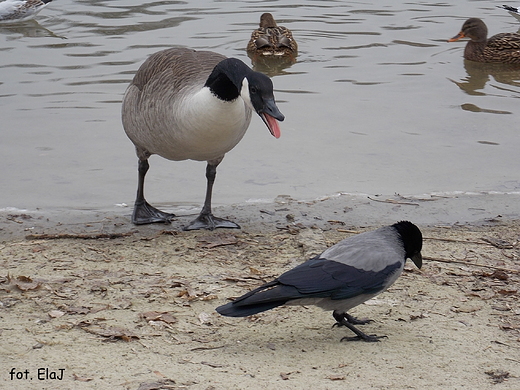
(474, 29)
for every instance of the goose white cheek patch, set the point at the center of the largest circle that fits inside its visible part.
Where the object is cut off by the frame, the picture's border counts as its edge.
(244, 92)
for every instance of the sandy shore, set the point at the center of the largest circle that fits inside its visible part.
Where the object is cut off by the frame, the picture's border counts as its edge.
(89, 301)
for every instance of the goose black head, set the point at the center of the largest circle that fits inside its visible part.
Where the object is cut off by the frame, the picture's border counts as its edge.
(232, 78)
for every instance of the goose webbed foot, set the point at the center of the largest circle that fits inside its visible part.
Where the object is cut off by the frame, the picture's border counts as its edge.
(344, 319)
(144, 213)
(210, 222)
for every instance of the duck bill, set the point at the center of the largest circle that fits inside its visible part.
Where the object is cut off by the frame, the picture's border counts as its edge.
(271, 115)
(457, 37)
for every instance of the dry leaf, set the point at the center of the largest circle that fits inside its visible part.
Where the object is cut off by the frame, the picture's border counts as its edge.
(78, 310)
(254, 271)
(508, 291)
(220, 240)
(204, 318)
(414, 317)
(81, 378)
(158, 316)
(498, 376)
(466, 309)
(485, 295)
(501, 275)
(164, 384)
(56, 313)
(121, 304)
(24, 283)
(213, 365)
(209, 297)
(110, 332)
(498, 243)
(337, 377)
(188, 293)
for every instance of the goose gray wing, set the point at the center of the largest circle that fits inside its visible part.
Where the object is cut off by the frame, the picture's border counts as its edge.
(194, 66)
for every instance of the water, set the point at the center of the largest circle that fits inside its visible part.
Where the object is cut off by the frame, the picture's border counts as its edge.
(377, 103)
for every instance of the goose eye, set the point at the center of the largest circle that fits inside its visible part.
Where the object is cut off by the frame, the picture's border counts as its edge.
(253, 89)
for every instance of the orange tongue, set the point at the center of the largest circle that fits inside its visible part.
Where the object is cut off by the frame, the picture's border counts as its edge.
(272, 123)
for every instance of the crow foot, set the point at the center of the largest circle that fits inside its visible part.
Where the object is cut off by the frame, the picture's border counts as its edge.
(344, 319)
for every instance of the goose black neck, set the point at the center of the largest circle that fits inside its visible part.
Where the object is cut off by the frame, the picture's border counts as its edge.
(225, 81)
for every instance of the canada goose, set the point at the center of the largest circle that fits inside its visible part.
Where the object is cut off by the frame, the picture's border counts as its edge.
(271, 40)
(186, 104)
(500, 48)
(20, 10)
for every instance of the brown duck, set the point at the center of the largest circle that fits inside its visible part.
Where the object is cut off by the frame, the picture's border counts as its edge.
(501, 48)
(271, 40)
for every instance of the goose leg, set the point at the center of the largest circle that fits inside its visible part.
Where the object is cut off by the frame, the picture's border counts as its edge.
(206, 219)
(143, 212)
(344, 319)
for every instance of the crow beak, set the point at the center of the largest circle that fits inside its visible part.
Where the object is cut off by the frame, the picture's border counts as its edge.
(417, 259)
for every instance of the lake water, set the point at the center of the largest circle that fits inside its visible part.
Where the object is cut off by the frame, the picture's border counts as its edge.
(377, 103)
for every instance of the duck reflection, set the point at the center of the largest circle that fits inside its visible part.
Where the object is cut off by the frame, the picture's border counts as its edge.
(271, 66)
(478, 74)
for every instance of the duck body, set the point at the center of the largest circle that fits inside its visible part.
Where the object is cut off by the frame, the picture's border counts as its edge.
(186, 104)
(271, 40)
(342, 277)
(500, 48)
(20, 10)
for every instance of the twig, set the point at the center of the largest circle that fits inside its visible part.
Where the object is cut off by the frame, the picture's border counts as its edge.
(206, 348)
(514, 271)
(82, 236)
(347, 231)
(160, 233)
(455, 240)
(393, 201)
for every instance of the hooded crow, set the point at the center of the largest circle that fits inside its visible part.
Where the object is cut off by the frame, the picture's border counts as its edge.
(343, 276)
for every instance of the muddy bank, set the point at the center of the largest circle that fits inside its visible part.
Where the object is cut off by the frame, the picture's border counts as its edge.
(115, 306)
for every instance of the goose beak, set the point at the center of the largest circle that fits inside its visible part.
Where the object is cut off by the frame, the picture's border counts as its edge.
(457, 37)
(271, 115)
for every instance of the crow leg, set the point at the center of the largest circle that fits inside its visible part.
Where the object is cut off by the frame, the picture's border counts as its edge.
(344, 319)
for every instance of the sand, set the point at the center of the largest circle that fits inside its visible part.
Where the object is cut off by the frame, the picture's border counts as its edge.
(89, 301)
